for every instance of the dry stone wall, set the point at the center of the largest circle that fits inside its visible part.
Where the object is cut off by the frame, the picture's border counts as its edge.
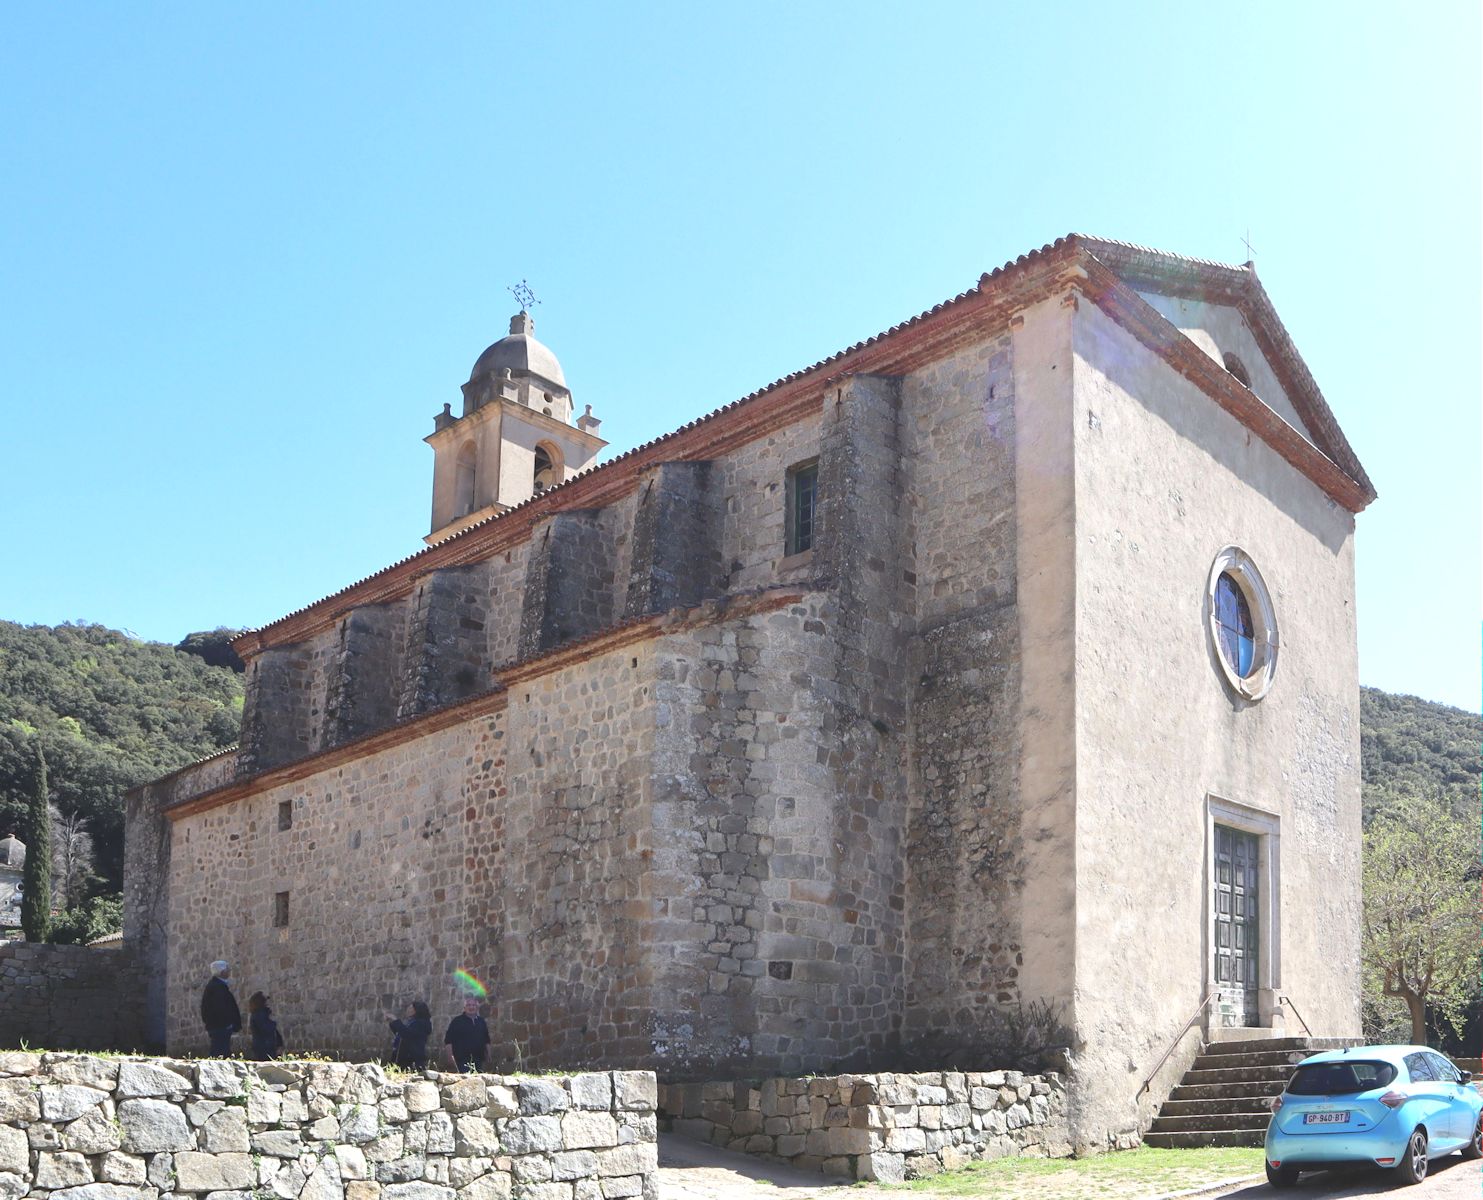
(70, 996)
(885, 1127)
(75, 1127)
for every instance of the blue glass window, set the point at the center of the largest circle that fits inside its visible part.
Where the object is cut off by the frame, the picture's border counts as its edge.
(1233, 619)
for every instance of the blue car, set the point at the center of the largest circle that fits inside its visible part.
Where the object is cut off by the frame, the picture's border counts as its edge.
(1397, 1107)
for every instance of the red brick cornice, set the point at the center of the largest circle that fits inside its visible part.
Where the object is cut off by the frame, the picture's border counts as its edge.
(572, 654)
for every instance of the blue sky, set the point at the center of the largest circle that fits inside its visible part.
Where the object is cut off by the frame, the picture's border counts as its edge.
(248, 251)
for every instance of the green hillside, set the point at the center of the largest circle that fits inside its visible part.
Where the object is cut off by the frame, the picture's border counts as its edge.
(111, 712)
(1415, 747)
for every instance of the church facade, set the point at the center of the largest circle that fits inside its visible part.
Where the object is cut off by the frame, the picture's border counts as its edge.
(1008, 656)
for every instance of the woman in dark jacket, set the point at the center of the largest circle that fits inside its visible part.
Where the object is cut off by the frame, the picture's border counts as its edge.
(409, 1035)
(266, 1040)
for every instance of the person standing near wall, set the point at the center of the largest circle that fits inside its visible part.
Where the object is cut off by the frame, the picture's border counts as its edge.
(467, 1039)
(219, 1011)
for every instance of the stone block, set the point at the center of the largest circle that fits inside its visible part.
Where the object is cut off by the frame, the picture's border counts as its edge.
(19, 1062)
(117, 1167)
(474, 1135)
(635, 1090)
(622, 1186)
(882, 1167)
(906, 1141)
(196, 1172)
(20, 1100)
(84, 1069)
(588, 1130)
(502, 1102)
(43, 1136)
(486, 1187)
(198, 1112)
(1017, 1117)
(95, 1132)
(324, 1183)
(363, 1189)
(15, 1151)
(160, 1172)
(440, 1138)
(747, 1122)
(264, 1107)
(544, 1191)
(138, 1079)
(573, 1164)
(420, 1096)
(789, 1145)
(105, 1191)
(539, 1097)
(68, 1101)
(592, 1089)
(358, 1123)
(956, 1115)
(530, 1135)
(463, 1171)
(279, 1143)
(639, 1159)
(531, 1168)
(465, 1096)
(151, 1126)
(352, 1160)
(225, 1132)
(417, 1190)
(219, 1079)
(61, 1170)
(407, 1169)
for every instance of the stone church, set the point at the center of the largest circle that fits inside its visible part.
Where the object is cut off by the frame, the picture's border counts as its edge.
(1006, 656)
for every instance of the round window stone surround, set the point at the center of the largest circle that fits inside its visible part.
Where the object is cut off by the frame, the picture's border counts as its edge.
(1236, 563)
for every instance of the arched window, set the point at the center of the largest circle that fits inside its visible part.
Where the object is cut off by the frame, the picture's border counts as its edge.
(547, 467)
(1237, 368)
(463, 481)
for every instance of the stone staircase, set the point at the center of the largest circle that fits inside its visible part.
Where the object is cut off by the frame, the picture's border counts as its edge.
(1225, 1097)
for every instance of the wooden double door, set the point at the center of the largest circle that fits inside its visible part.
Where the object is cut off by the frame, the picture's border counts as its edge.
(1237, 920)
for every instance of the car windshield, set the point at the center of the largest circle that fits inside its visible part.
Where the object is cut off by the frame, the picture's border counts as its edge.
(1339, 1078)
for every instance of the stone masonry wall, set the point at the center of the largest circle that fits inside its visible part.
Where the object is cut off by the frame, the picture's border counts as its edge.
(881, 1127)
(963, 828)
(72, 997)
(74, 1127)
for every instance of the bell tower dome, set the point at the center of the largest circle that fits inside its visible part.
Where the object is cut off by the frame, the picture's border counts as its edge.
(514, 438)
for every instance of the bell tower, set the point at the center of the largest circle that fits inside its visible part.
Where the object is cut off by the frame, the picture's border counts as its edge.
(514, 438)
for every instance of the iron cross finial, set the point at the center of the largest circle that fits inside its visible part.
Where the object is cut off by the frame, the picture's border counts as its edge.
(1250, 250)
(522, 293)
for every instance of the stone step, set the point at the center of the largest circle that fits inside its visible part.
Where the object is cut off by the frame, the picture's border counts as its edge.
(1229, 1104)
(1306, 1044)
(1257, 1121)
(1275, 1076)
(1264, 1058)
(1205, 1137)
(1226, 1091)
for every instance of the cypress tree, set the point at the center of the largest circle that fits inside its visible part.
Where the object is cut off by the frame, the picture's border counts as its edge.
(36, 879)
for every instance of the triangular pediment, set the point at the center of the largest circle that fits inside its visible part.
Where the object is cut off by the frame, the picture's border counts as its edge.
(1224, 310)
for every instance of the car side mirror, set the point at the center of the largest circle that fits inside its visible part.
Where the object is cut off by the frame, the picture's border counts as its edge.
(1467, 1076)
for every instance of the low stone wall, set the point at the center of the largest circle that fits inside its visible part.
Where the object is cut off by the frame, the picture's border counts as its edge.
(886, 1127)
(70, 997)
(79, 1127)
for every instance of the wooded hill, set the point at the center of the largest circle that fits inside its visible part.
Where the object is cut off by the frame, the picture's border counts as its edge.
(112, 711)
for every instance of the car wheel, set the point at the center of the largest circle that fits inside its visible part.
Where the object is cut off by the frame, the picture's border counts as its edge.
(1282, 1177)
(1413, 1164)
(1474, 1149)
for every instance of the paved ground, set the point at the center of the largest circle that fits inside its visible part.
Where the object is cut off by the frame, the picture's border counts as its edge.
(691, 1170)
(1450, 1179)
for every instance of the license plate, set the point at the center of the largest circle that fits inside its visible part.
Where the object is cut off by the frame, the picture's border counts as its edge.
(1330, 1118)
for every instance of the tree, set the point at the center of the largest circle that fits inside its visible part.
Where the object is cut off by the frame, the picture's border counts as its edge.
(72, 857)
(1420, 911)
(36, 879)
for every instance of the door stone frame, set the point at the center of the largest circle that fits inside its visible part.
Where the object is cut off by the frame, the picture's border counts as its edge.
(1266, 824)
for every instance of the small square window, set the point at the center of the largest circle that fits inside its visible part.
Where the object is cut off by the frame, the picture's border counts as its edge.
(285, 814)
(803, 496)
(280, 910)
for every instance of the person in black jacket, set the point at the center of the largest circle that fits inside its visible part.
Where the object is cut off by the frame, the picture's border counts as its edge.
(219, 1011)
(266, 1040)
(409, 1035)
(467, 1039)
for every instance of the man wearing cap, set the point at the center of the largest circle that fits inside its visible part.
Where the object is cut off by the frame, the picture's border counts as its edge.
(219, 1012)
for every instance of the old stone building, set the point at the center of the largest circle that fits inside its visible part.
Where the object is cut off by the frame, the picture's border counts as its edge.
(1008, 655)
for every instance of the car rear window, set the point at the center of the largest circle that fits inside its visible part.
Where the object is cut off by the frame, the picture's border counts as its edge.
(1339, 1078)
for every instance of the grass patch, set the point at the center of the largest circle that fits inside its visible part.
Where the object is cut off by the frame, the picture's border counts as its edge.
(1128, 1174)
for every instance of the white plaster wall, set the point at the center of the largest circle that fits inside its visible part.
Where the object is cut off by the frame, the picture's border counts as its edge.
(1219, 329)
(1164, 478)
